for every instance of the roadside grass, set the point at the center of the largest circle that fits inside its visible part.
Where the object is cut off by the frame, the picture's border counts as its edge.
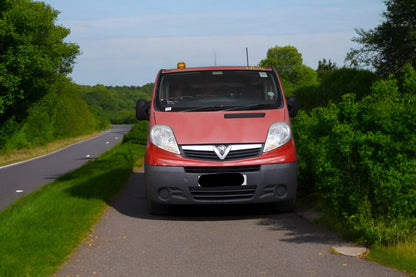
(15, 156)
(401, 255)
(41, 230)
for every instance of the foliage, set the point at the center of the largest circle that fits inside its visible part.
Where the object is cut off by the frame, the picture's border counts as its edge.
(34, 61)
(325, 67)
(117, 104)
(138, 133)
(289, 64)
(390, 45)
(333, 85)
(33, 55)
(59, 114)
(361, 156)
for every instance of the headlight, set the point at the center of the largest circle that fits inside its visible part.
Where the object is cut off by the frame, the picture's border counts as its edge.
(162, 136)
(279, 134)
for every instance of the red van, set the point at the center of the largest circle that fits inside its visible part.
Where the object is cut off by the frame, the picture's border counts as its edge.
(219, 135)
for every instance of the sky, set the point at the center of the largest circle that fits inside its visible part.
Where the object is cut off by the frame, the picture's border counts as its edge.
(126, 42)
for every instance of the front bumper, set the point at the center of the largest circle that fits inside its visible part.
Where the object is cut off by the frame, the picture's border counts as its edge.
(259, 184)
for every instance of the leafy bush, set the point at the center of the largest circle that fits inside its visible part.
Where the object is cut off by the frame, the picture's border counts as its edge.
(7, 130)
(138, 133)
(74, 117)
(333, 86)
(361, 156)
(59, 114)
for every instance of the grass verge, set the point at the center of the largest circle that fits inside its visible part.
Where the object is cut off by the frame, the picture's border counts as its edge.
(41, 230)
(401, 256)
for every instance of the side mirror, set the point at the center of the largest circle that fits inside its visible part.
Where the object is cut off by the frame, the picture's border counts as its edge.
(292, 105)
(142, 110)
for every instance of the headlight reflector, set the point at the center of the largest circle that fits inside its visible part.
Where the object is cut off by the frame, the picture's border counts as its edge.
(278, 135)
(162, 136)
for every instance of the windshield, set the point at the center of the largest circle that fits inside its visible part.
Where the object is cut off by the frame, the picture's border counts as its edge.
(215, 90)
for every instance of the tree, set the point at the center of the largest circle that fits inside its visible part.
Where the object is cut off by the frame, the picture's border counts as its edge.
(285, 59)
(33, 55)
(325, 67)
(289, 64)
(391, 45)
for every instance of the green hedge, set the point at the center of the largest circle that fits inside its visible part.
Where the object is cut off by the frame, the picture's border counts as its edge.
(138, 133)
(361, 157)
(333, 86)
(59, 114)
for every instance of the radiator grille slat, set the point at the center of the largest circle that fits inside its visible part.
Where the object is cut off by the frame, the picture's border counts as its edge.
(202, 155)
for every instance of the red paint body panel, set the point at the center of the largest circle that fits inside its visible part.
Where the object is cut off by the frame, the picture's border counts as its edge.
(213, 128)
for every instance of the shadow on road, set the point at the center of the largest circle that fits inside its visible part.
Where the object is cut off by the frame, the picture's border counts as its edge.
(132, 202)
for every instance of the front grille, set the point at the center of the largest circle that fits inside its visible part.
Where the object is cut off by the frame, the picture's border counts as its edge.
(207, 152)
(222, 169)
(223, 193)
(200, 155)
(243, 154)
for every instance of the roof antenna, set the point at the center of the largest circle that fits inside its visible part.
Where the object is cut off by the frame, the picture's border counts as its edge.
(215, 58)
(247, 56)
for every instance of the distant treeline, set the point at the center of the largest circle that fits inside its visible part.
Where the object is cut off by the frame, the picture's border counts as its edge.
(117, 103)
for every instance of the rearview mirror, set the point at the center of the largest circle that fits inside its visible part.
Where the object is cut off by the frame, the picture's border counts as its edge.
(142, 109)
(292, 105)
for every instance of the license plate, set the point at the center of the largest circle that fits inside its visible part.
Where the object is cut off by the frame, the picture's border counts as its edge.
(222, 180)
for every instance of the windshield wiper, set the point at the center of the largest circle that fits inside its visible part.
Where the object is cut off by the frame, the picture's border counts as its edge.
(222, 108)
(251, 107)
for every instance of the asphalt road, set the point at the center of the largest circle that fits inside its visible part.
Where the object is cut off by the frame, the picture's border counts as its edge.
(23, 178)
(209, 241)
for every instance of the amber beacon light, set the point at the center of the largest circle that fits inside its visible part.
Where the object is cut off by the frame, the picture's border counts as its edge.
(181, 65)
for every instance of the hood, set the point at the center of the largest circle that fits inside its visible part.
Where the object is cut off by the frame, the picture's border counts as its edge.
(220, 127)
